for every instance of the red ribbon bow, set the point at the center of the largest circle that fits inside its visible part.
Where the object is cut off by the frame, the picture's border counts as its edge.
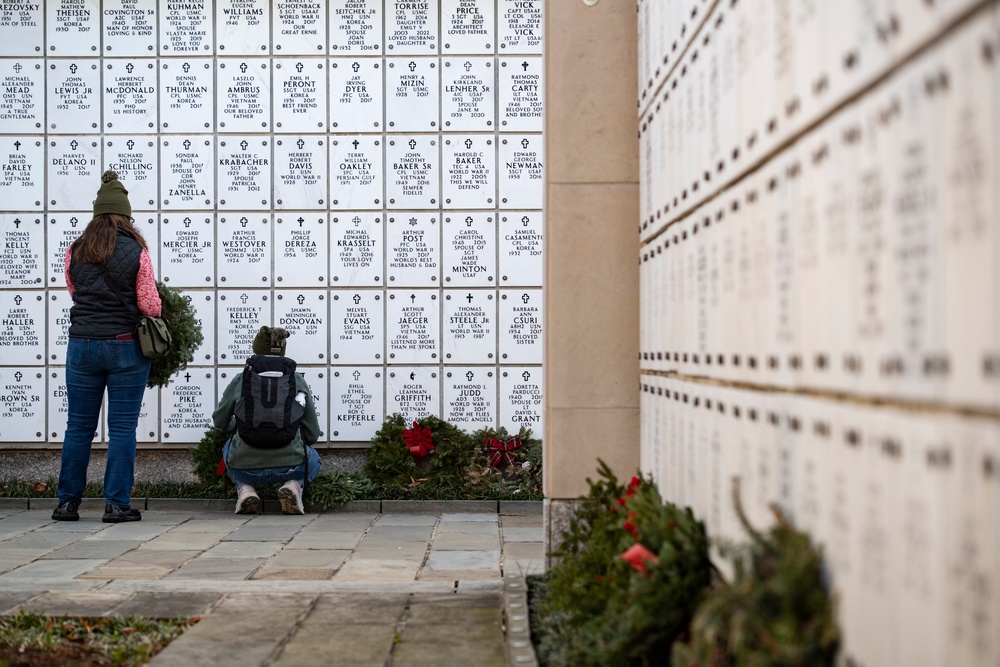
(418, 440)
(639, 557)
(500, 450)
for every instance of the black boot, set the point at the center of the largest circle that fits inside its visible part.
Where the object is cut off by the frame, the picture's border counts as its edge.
(67, 511)
(114, 514)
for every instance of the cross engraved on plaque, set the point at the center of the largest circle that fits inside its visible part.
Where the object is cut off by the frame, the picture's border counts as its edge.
(468, 96)
(22, 180)
(22, 324)
(357, 401)
(130, 96)
(304, 314)
(186, 172)
(23, 241)
(188, 401)
(22, 108)
(241, 314)
(301, 250)
(521, 171)
(468, 181)
(357, 326)
(521, 398)
(469, 249)
(413, 322)
(521, 326)
(73, 96)
(521, 86)
(74, 166)
(356, 174)
(244, 172)
(187, 95)
(187, 253)
(243, 95)
(522, 243)
(356, 99)
(412, 172)
(135, 161)
(412, 94)
(470, 397)
(244, 249)
(21, 407)
(469, 327)
(300, 97)
(300, 168)
(356, 249)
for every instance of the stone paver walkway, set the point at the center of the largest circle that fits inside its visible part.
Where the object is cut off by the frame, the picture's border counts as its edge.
(338, 589)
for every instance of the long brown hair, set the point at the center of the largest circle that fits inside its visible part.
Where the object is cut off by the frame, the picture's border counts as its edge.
(97, 241)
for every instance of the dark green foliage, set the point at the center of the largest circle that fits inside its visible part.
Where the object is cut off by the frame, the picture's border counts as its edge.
(332, 488)
(523, 477)
(206, 457)
(185, 330)
(390, 463)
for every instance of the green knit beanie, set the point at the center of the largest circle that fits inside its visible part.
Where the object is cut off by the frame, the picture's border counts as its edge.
(112, 197)
(270, 340)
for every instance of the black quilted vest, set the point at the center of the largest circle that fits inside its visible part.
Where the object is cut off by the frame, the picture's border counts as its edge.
(97, 312)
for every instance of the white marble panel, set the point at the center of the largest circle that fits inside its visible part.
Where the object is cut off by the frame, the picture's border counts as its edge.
(470, 335)
(304, 314)
(73, 95)
(300, 165)
(130, 96)
(187, 27)
(243, 93)
(413, 324)
(137, 163)
(411, 27)
(22, 30)
(22, 411)
(187, 404)
(148, 225)
(521, 399)
(412, 391)
(520, 26)
(356, 245)
(241, 314)
(357, 327)
(22, 108)
(357, 99)
(301, 242)
(187, 255)
(22, 182)
(412, 94)
(468, 94)
(468, 26)
(243, 26)
(23, 240)
(356, 29)
(356, 167)
(470, 397)
(469, 254)
(57, 402)
(186, 172)
(299, 28)
(317, 377)
(22, 325)
(413, 172)
(521, 86)
(187, 95)
(357, 401)
(129, 28)
(299, 100)
(63, 229)
(521, 171)
(148, 427)
(244, 249)
(413, 250)
(520, 328)
(244, 172)
(204, 304)
(73, 27)
(469, 176)
(74, 172)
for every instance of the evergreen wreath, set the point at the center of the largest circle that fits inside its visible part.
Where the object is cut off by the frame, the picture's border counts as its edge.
(207, 456)
(389, 461)
(185, 330)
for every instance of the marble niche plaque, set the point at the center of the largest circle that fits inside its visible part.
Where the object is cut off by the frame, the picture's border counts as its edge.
(204, 308)
(317, 379)
(73, 100)
(244, 249)
(187, 95)
(521, 171)
(129, 28)
(300, 165)
(299, 95)
(187, 172)
(148, 225)
(22, 410)
(303, 313)
(243, 26)
(136, 161)
(130, 96)
(23, 84)
(187, 404)
(470, 397)
(186, 27)
(357, 320)
(299, 28)
(58, 403)
(356, 172)
(356, 28)
(356, 249)
(58, 325)
(148, 428)
(187, 253)
(467, 94)
(23, 237)
(22, 182)
(241, 314)
(521, 326)
(467, 26)
(300, 249)
(243, 91)
(469, 254)
(411, 27)
(469, 179)
(521, 398)
(412, 250)
(522, 242)
(413, 323)
(244, 172)
(357, 402)
(469, 327)
(412, 391)
(64, 228)
(22, 325)
(520, 26)
(22, 30)
(412, 94)
(521, 94)
(74, 172)
(412, 172)
(73, 27)
(356, 99)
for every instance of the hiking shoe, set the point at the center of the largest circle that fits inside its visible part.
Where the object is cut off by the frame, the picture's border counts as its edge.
(67, 511)
(247, 500)
(114, 514)
(290, 496)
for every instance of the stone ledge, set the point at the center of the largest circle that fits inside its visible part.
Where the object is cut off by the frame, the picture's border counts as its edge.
(520, 650)
(520, 507)
(188, 504)
(438, 506)
(13, 503)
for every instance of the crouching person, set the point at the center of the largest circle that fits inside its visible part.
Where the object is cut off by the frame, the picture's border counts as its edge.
(269, 411)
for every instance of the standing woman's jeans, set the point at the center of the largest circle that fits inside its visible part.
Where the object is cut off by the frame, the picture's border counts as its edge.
(91, 366)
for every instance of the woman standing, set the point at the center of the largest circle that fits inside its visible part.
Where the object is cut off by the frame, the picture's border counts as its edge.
(110, 277)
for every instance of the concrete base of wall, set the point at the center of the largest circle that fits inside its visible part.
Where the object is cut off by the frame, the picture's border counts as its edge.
(556, 514)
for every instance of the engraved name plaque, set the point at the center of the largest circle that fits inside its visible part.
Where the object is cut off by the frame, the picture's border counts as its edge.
(23, 82)
(186, 27)
(244, 249)
(73, 102)
(22, 30)
(22, 411)
(467, 26)
(299, 103)
(204, 308)
(136, 162)
(412, 172)
(22, 179)
(469, 256)
(521, 171)
(412, 94)
(188, 402)
(23, 238)
(187, 253)
(521, 92)
(356, 402)
(241, 314)
(187, 95)
(74, 172)
(317, 379)
(58, 325)
(130, 96)
(356, 249)
(413, 391)
(356, 172)
(521, 326)
(129, 28)
(58, 403)
(22, 325)
(242, 95)
(356, 28)
(300, 255)
(469, 327)
(303, 313)
(73, 27)
(244, 172)
(187, 173)
(357, 320)
(300, 168)
(64, 228)
(411, 27)
(243, 26)
(470, 397)
(299, 28)
(468, 94)
(148, 427)
(522, 242)
(521, 398)
(356, 99)
(468, 179)
(412, 250)
(413, 323)
(520, 26)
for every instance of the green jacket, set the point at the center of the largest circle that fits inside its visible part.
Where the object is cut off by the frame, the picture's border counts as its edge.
(244, 457)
